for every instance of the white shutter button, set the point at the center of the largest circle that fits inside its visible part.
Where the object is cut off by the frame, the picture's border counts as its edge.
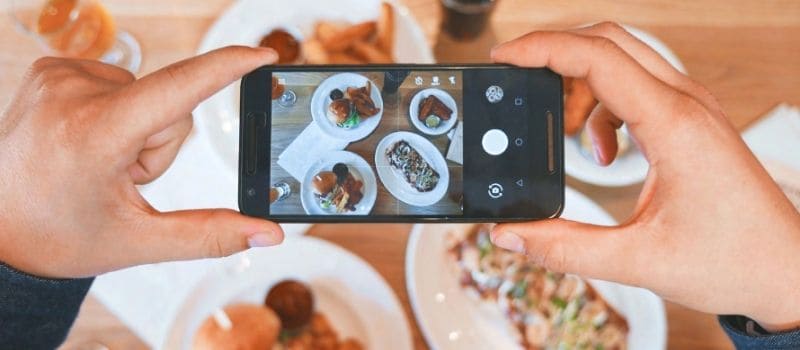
(495, 142)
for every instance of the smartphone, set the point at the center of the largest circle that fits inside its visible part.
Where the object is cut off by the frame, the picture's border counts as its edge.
(401, 143)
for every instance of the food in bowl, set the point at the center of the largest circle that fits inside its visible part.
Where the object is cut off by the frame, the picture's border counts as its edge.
(412, 167)
(337, 190)
(432, 111)
(347, 109)
(284, 43)
(287, 320)
(550, 310)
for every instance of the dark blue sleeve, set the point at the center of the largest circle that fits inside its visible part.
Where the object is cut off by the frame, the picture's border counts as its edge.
(37, 313)
(746, 334)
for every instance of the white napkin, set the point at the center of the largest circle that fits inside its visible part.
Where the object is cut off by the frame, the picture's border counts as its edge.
(306, 149)
(456, 150)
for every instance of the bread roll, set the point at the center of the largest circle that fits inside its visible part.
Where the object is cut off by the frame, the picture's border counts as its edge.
(252, 327)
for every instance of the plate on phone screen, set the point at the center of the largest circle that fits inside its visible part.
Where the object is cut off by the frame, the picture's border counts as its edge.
(453, 317)
(359, 169)
(247, 21)
(394, 180)
(446, 99)
(321, 99)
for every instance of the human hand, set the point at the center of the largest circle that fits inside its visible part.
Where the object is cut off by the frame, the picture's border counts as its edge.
(77, 139)
(711, 230)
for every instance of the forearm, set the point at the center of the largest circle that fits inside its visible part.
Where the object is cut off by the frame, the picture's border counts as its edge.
(37, 313)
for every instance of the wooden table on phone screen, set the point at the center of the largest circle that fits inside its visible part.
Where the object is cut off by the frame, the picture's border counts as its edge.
(289, 122)
(746, 52)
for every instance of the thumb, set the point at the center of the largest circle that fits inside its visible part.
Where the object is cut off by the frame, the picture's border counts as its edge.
(571, 247)
(209, 233)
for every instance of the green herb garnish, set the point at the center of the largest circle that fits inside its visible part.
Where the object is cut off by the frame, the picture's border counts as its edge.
(520, 289)
(558, 302)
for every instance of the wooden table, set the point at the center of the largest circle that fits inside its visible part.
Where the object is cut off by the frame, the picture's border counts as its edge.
(746, 52)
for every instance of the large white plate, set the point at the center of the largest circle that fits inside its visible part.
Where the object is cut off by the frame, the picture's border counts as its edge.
(446, 125)
(321, 99)
(631, 167)
(354, 297)
(360, 170)
(451, 319)
(394, 181)
(246, 21)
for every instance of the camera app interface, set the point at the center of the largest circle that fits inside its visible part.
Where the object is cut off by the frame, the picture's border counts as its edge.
(367, 143)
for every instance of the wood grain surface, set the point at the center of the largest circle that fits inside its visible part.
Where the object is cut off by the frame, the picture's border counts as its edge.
(747, 53)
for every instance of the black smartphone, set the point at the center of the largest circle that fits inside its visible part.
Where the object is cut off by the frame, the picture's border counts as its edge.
(401, 143)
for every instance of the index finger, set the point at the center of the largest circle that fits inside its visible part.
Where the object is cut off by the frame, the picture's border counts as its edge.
(171, 93)
(626, 88)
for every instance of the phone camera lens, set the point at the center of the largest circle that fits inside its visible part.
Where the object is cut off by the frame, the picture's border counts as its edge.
(251, 192)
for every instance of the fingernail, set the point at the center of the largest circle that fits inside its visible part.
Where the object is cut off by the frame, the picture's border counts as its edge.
(597, 156)
(510, 241)
(263, 239)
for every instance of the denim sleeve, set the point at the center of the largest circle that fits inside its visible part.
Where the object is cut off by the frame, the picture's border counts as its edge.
(746, 334)
(37, 313)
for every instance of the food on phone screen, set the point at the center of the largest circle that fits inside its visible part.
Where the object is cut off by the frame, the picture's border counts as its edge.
(414, 169)
(287, 320)
(360, 43)
(550, 310)
(352, 106)
(293, 302)
(432, 111)
(284, 44)
(336, 190)
(244, 326)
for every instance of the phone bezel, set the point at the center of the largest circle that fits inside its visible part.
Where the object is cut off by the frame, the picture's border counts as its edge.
(253, 94)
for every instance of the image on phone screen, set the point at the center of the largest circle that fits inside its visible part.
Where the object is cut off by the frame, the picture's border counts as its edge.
(384, 143)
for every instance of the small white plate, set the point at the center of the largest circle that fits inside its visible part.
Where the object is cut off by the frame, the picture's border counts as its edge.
(631, 167)
(321, 99)
(349, 292)
(450, 318)
(360, 170)
(246, 21)
(394, 181)
(446, 125)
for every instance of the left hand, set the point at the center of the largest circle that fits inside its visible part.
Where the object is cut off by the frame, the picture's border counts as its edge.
(77, 139)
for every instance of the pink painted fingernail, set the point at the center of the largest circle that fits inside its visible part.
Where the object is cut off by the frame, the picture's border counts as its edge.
(510, 241)
(263, 239)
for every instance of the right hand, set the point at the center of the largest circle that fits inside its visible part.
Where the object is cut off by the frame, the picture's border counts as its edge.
(711, 230)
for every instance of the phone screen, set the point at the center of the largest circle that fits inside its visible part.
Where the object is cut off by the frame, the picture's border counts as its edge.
(408, 143)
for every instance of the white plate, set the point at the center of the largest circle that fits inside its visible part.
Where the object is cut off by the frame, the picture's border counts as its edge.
(445, 126)
(321, 99)
(450, 318)
(246, 21)
(394, 181)
(360, 170)
(631, 167)
(354, 297)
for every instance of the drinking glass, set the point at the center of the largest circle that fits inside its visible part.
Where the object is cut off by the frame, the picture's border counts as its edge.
(466, 19)
(77, 29)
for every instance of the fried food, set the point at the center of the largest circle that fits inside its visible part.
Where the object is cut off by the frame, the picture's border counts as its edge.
(284, 44)
(251, 327)
(385, 35)
(360, 43)
(342, 39)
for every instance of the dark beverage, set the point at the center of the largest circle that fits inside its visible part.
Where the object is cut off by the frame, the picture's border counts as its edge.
(393, 79)
(466, 19)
